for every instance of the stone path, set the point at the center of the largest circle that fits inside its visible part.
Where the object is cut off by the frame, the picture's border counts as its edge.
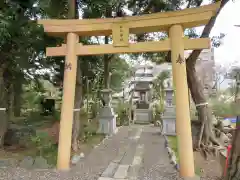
(134, 153)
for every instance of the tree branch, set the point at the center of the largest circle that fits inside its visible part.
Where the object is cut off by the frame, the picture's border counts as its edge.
(148, 8)
(206, 31)
(189, 4)
(97, 39)
(215, 84)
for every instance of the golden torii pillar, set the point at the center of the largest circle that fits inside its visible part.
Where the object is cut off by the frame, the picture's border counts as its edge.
(120, 28)
(183, 120)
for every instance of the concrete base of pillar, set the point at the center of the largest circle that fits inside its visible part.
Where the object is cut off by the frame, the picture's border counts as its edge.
(192, 178)
(107, 121)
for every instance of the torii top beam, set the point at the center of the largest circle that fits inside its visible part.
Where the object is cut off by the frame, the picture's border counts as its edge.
(188, 18)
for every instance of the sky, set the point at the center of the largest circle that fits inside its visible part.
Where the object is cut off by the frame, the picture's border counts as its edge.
(229, 51)
(228, 54)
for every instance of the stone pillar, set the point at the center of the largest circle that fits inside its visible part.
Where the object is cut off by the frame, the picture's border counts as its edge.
(65, 134)
(183, 124)
(107, 117)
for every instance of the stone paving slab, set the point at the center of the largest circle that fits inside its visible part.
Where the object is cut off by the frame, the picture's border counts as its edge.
(156, 164)
(129, 155)
(124, 157)
(146, 158)
(136, 163)
(109, 172)
(121, 172)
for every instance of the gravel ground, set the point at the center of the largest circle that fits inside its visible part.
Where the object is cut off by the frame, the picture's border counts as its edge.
(90, 168)
(210, 170)
(156, 164)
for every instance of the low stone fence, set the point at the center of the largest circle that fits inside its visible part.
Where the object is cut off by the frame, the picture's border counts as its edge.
(222, 157)
(171, 154)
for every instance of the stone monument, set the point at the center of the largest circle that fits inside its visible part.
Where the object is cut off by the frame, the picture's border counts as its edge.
(107, 117)
(169, 115)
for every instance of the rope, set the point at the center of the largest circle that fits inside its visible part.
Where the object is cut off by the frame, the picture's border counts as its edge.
(202, 104)
(2, 109)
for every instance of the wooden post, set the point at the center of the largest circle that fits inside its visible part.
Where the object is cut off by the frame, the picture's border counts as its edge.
(65, 134)
(183, 124)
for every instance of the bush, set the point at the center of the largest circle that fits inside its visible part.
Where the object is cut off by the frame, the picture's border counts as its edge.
(56, 116)
(34, 116)
(93, 108)
(223, 109)
(158, 109)
(122, 112)
(45, 147)
(32, 99)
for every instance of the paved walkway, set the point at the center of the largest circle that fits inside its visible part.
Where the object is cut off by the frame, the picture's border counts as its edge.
(134, 153)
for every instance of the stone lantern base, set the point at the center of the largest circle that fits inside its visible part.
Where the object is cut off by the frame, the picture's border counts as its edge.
(107, 121)
(169, 122)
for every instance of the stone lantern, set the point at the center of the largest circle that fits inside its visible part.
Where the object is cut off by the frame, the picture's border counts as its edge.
(107, 117)
(169, 115)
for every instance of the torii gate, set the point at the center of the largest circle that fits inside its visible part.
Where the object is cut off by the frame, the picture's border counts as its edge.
(172, 22)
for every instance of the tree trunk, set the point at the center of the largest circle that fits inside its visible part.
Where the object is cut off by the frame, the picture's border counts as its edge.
(3, 117)
(207, 137)
(73, 14)
(10, 97)
(204, 111)
(106, 57)
(106, 67)
(77, 106)
(17, 97)
(233, 172)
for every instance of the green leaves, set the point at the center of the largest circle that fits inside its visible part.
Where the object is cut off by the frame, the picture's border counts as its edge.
(53, 8)
(158, 84)
(120, 71)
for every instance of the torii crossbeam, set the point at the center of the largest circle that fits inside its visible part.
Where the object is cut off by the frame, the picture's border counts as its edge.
(120, 28)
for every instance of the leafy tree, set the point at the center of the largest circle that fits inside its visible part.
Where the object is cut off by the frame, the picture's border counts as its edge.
(22, 52)
(158, 84)
(18, 56)
(222, 108)
(159, 93)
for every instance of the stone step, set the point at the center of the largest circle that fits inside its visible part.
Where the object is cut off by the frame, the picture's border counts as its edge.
(121, 172)
(109, 172)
